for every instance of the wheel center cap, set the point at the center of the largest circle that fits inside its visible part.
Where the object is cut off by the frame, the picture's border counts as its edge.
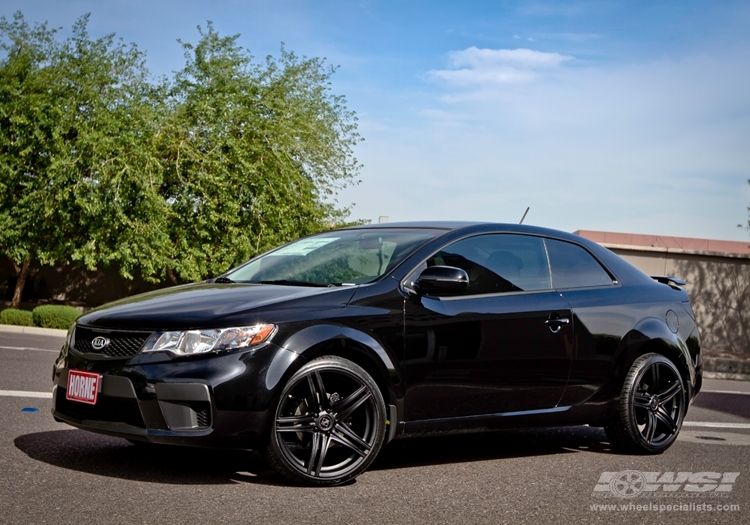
(654, 403)
(325, 422)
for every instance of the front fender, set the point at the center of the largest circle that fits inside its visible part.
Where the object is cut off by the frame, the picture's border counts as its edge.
(363, 349)
(313, 336)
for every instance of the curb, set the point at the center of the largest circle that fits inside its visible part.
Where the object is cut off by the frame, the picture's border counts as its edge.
(34, 330)
(725, 375)
(723, 367)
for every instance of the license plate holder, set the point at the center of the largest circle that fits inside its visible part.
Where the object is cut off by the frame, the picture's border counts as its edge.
(83, 387)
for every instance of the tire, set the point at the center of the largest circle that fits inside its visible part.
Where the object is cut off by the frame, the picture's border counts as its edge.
(651, 406)
(328, 425)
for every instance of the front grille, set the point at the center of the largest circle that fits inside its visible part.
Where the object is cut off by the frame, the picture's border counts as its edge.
(109, 409)
(121, 344)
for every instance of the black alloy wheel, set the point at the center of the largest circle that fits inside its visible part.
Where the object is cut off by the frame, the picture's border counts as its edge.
(329, 423)
(651, 406)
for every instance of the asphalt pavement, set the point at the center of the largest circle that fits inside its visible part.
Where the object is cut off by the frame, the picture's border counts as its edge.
(53, 473)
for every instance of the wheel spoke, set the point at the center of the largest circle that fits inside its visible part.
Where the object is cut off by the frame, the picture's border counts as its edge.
(650, 427)
(669, 393)
(322, 394)
(318, 390)
(348, 405)
(318, 452)
(665, 418)
(641, 401)
(655, 377)
(344, 435)
(304, 423)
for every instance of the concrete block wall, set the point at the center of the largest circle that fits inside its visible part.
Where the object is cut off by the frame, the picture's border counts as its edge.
(719, 288)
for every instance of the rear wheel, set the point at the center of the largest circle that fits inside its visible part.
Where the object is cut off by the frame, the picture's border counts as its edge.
(651, 406)
(329, 423)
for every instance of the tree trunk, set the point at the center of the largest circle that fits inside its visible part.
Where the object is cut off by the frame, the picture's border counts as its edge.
(172, 276)
(21, 273)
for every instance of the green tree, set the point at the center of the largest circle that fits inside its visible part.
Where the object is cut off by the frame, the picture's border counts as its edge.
(78, 178)
(31, 143)
(101, 164)
(114, 120)
(252, 154)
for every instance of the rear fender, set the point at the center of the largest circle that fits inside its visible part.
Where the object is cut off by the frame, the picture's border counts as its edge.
(651, 334)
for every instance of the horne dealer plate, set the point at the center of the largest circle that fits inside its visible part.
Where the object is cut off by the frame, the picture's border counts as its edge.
(82, 386)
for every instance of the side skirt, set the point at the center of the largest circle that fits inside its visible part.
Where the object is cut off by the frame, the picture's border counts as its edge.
(557, 416)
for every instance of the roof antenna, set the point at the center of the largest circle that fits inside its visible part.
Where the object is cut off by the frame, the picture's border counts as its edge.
(524, 214)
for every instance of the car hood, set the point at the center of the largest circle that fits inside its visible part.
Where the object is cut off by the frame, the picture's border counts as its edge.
(204, 305)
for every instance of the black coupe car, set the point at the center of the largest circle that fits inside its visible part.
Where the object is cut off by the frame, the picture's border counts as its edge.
(320, 352)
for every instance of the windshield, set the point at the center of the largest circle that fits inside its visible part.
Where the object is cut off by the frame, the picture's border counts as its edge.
(334, 258)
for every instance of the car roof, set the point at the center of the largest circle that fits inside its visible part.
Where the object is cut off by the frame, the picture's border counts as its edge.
(475, 226)
(439, 225)
(623, 269)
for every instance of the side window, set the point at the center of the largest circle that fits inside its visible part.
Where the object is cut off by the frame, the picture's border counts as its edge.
(498, 263)
(574, 267)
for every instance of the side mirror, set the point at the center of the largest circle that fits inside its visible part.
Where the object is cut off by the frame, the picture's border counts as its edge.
(442, 280)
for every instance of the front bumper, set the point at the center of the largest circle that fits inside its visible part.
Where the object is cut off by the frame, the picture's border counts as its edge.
(211, 401)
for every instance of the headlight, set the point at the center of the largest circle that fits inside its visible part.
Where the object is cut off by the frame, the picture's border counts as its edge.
(189, 342)
(70, 341)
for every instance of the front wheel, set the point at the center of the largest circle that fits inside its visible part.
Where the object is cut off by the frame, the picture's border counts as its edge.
(329, 423)
(651, 406)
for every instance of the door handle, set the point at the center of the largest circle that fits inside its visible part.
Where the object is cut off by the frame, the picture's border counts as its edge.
(556, 324)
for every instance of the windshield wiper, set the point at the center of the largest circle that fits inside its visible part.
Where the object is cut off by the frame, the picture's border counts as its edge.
(223, 280)
(289, 282)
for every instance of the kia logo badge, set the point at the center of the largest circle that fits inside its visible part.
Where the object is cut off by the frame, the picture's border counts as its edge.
(99, 342)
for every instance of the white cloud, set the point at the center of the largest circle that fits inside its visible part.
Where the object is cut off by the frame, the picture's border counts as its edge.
(475, 66)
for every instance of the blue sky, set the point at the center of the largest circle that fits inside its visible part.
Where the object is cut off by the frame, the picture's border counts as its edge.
(607, 115)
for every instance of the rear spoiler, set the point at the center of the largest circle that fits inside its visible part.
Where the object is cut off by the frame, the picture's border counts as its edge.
(671, 281)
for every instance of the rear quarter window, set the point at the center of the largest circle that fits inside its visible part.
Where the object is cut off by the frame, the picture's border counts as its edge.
(574, 267)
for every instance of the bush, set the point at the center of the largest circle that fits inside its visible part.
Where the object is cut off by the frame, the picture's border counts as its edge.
(52, 316)
(16, 317)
